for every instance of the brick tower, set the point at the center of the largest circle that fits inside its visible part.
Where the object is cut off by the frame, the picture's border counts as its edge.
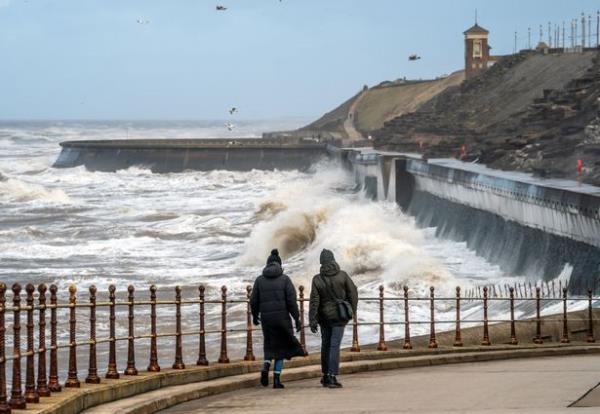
(477, 51)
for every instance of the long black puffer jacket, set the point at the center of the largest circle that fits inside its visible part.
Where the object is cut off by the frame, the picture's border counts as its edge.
(274, 302)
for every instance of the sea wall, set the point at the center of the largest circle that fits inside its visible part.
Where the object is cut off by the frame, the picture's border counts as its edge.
(532, 227)
(163, 156)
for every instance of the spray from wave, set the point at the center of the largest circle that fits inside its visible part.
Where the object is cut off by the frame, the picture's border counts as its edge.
(20, 191)
(375, 242)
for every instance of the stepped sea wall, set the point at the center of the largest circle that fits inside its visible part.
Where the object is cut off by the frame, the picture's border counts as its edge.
(532, 227)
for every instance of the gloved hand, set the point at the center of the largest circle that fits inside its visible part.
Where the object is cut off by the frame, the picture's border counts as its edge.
(256, 321)
(314, 329)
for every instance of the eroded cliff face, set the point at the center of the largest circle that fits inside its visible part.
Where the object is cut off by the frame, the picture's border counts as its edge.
(530, 112)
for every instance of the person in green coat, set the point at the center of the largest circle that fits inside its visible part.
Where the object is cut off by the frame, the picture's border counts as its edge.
(330, 287)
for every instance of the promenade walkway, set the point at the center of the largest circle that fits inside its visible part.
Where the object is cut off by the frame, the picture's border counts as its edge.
(537, 385)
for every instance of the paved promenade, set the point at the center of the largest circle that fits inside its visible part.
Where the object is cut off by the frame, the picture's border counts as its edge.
(537, 385)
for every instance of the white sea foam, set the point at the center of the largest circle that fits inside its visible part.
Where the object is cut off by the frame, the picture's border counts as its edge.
(16, 190)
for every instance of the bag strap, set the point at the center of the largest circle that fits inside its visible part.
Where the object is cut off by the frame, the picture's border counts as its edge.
(329, 289)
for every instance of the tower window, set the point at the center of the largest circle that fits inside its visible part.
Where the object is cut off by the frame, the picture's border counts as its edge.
(477, 49)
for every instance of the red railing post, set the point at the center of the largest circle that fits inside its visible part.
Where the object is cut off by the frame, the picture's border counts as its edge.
(202, 336)
(381, 345)
(112, 372)
(131, 369)
(153, 365)
(303, 327)
(407, 344)
(538, 320)
(249, 352)
(590, 334)
(92, 377)
(42, 381)
(17, 401)
(4, 407)
(223, 358)
(178, 364)
(486, 333)
(72, 380)
(432, 340)
(53, 383)
(513, 333)
(355, 345)
(565, 331)
(457, 336)
(31, 395)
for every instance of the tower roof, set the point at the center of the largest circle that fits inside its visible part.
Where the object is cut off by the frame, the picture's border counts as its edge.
(476, 29)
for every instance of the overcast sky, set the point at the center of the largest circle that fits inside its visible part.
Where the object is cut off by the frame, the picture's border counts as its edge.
(90, 59)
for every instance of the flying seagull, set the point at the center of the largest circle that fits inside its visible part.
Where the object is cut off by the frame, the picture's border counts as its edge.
(414, 57)
(232, 110)
(221, 8)
(229, 126)
(143, 21)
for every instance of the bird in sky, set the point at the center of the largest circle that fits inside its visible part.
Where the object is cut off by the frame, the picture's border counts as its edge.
(143, 21)
(414, 57)
(221, 8)
(229, 126)
(232, 110)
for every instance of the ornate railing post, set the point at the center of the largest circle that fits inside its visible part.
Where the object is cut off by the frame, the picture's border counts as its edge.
(42, 381)
(249, 352)
(17, 401)
(355, 345)
(590, 333)
(432, 340)
(565, 331)
(53, 383)
(513, 333)
(381, 345)
(31, 395)
(457, 336)
(302, 326)
(92, 377)
(4, 407)
(131, 369)
(112, 372)
(407, 344)
(538, 320)
(153, 365)
(178, 364)
(72, 380)
(223, 358)
(202, 335)
(486, 333)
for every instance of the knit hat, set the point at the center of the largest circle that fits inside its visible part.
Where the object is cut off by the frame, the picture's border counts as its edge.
(274, 257)
(326, 257)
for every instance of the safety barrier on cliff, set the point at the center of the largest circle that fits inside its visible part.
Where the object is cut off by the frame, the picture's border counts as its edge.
(43, 384)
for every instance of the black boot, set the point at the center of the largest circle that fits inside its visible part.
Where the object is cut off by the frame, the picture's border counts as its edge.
(326, 380)
(277, 381)
(264, 375)
(333, 382)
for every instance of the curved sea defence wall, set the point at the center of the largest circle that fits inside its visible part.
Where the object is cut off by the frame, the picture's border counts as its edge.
(164, 155)
(528, 226)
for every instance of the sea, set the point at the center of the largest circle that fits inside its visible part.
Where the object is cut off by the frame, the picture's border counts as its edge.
(134, 227)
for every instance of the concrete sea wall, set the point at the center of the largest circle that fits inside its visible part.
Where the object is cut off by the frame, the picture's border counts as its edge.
(163, 156)
(528, 226)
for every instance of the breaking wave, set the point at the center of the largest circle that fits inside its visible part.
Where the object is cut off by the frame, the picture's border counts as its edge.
(16, 190)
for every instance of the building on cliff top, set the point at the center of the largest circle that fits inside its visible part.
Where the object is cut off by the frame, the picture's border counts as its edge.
(477, 51)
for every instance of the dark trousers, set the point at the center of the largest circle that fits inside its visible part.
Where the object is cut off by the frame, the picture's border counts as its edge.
(331, 341)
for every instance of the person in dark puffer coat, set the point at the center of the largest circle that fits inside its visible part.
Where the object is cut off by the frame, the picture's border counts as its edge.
(273, 303)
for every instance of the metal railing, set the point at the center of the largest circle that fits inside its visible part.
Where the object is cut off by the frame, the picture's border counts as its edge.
(43, 384)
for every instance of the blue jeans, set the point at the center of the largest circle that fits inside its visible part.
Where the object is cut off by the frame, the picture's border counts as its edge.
(331, 341)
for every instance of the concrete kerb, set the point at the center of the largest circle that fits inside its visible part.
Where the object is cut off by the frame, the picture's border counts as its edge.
(167, 397)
